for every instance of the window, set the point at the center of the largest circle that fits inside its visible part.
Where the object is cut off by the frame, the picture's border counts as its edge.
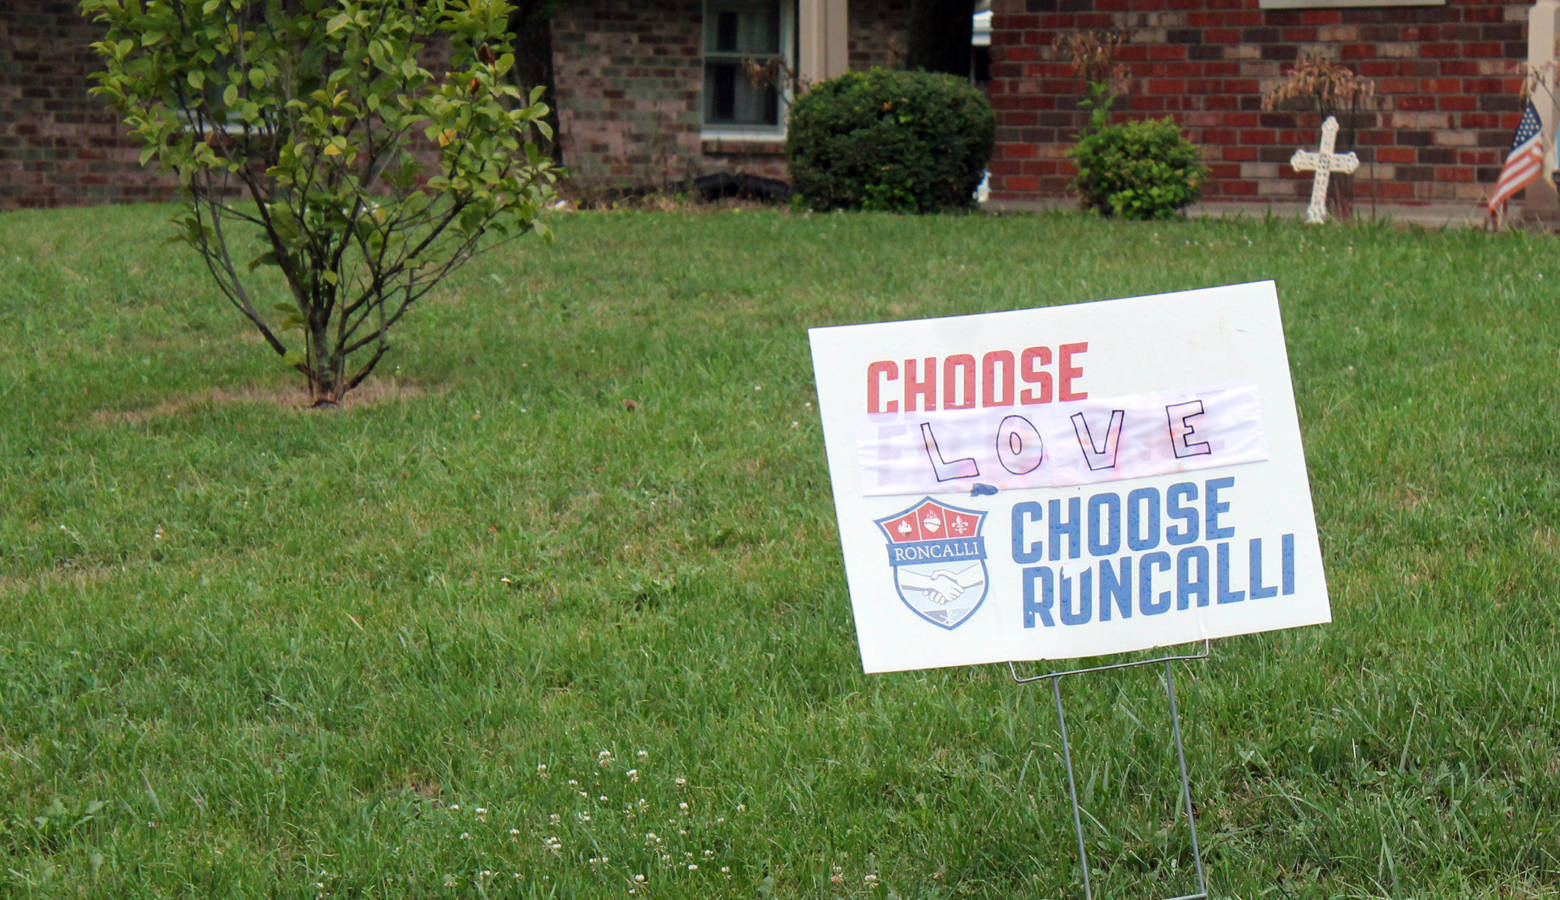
(739, 36)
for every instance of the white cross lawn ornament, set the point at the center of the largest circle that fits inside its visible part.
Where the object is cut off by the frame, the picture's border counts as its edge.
(1324, 162)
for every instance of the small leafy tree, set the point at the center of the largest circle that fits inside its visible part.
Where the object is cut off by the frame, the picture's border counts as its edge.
(311, 137)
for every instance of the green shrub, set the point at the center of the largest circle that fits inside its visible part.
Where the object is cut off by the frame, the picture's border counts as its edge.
(1137, 170)
(889, 140)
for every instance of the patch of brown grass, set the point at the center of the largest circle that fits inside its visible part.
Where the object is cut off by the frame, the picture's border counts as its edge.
(372, 392)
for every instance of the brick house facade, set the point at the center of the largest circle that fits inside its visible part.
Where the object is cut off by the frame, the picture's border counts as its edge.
(58, 145)
(632, 84)
(1446, 78)
(631, 78)
(636, 81)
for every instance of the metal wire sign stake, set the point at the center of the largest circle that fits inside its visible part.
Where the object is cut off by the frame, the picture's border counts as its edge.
(1180, 757)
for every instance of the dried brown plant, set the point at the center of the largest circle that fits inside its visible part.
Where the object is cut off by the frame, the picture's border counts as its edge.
(773, 72)
(1092, 55)
(1317, 83)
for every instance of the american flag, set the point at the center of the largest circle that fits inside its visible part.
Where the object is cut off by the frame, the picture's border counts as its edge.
(1524, 163)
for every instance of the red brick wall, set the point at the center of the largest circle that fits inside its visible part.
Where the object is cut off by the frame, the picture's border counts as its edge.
(58, 145)
(1446, 105)
(629, 80)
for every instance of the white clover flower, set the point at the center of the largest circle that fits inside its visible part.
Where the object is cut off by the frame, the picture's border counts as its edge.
(604, 758)
(643, 754)
(514, 831)
(465, 835)
(633, 774)
(639, 879)
(482, 810)
(555, 819)
(693, 867)
(869, 879)
(680, 781)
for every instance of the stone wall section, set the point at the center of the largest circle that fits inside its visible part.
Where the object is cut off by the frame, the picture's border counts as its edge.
(1447, 81)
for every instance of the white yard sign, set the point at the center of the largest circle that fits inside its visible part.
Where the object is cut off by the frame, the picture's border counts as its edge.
(1070, 481)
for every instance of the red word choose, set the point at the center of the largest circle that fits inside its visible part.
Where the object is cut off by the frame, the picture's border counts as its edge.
(999, 378)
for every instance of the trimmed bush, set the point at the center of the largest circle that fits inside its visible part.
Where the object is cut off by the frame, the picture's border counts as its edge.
(889, 140)
(1137, 170)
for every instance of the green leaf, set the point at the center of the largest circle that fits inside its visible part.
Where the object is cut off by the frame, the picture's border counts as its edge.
(266, 259)
(230, 95)
(337, 22)
(293, 358)
(196, 78)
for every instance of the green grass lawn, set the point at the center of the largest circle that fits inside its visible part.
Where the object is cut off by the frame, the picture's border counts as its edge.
(556, 601)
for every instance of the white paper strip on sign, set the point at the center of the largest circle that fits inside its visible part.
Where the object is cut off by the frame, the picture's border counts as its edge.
(1094, 440)
(1069, 481)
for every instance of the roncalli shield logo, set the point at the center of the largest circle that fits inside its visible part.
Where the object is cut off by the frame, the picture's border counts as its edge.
(939, 560)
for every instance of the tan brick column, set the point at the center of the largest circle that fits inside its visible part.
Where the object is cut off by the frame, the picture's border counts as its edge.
(1543, 20)
(823, 39)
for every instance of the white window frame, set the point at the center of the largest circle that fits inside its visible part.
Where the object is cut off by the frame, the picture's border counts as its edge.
(709, 131)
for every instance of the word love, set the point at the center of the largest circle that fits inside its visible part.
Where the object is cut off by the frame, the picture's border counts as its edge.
(1098, 440)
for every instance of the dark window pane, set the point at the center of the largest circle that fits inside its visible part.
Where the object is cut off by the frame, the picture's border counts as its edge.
(731, 99)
